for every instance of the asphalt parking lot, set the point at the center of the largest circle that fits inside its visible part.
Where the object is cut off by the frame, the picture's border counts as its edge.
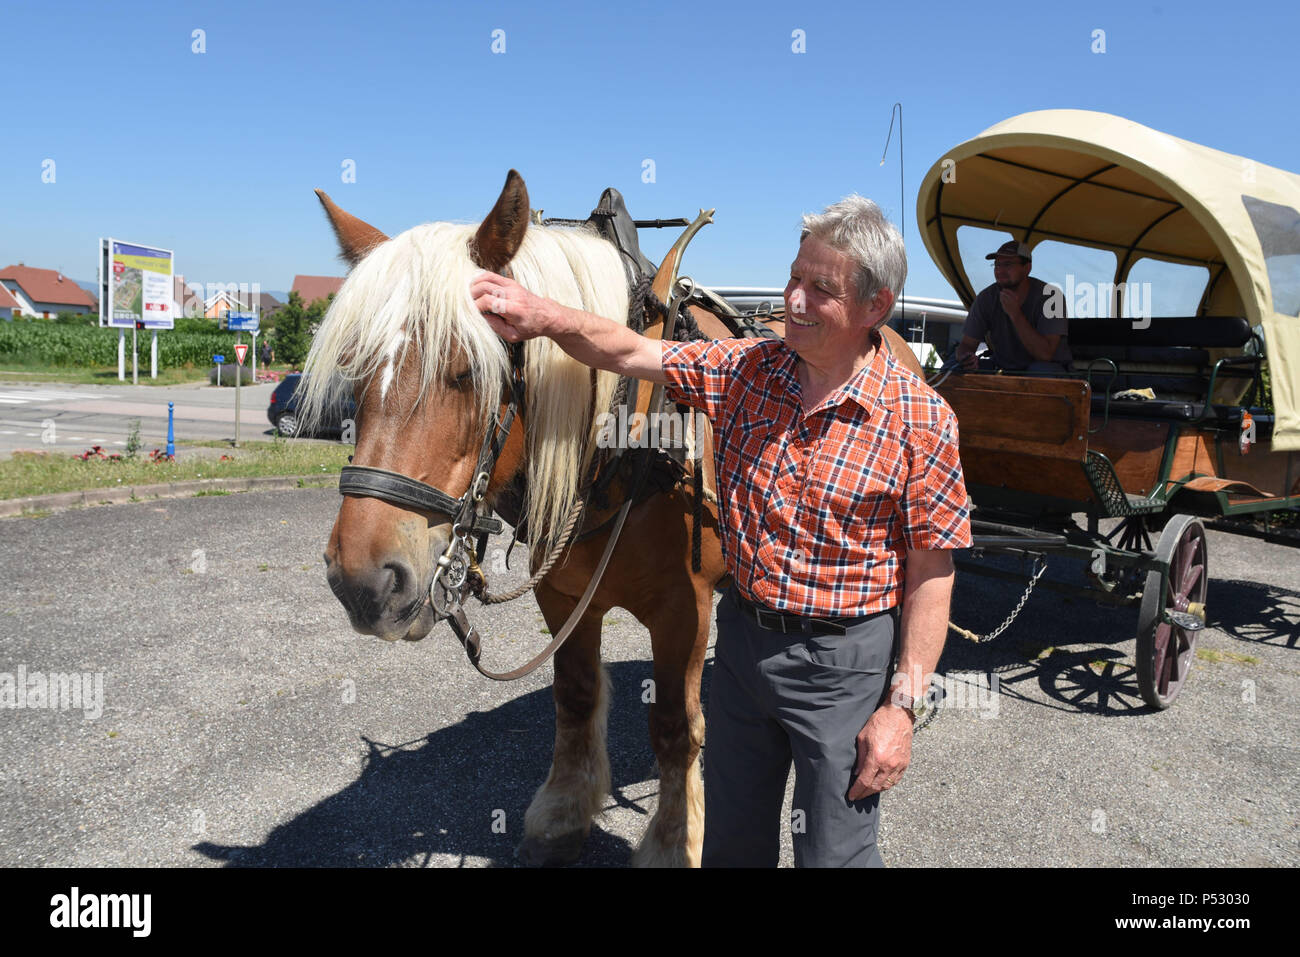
(243, 723)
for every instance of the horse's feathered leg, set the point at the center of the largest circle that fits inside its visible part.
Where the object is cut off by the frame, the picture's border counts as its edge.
(675, 835)
(559, 818)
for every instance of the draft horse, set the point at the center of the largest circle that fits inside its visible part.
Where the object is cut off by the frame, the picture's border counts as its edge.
(429, 377)
(431, 380)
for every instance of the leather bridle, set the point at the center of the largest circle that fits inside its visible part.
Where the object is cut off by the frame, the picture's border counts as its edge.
(450, 581)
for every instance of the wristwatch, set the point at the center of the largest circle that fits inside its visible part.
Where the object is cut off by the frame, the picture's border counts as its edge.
(916, 707)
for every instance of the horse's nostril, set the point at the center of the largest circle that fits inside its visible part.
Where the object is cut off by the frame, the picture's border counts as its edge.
(401, 577)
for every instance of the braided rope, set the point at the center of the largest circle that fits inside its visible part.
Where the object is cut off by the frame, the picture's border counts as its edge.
(490, 598)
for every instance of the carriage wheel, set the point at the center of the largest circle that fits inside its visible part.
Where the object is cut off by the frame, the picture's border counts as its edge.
(1173, 611)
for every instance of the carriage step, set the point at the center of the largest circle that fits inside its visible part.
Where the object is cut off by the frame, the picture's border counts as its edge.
(1184, 620)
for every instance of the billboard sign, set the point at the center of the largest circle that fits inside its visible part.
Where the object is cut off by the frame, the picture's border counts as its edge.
(135, 285)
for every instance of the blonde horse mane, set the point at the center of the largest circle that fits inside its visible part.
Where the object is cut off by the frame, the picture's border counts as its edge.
(413, 290)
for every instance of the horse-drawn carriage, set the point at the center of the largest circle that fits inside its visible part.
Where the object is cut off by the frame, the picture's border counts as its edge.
(1163, 420)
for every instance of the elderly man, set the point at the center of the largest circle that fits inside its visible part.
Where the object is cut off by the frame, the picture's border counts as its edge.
(1021, 318)
(841, 498)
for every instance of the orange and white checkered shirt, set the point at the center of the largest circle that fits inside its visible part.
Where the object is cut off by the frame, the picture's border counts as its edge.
(818, 511)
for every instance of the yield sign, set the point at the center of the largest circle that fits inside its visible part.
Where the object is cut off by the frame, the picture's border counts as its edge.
(241, 350)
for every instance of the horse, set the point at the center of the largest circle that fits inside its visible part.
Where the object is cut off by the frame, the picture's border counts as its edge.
(430, 379)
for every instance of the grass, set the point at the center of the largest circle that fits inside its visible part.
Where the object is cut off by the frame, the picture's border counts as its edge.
(27, 474)
(1209, 654)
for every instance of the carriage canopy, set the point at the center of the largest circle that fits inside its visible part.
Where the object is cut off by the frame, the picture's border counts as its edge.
(1101, 181)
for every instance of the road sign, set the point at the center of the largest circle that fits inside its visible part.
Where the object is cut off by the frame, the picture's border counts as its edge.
(218, 359)
(241, 321)
(241, 350)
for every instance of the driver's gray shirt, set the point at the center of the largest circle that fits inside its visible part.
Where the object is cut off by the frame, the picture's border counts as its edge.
(988, 321)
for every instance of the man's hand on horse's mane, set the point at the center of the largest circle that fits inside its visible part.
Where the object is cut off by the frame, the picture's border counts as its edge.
(516, 314)
(512, 311)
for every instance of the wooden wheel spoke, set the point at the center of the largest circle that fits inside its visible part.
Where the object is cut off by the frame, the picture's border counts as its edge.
(1163, 634)
(1190, 577)
(1177, 656)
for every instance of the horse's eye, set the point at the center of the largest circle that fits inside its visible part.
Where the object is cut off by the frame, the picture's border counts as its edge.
(464, 380)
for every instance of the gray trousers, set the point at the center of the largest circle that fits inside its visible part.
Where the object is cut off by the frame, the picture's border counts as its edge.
(776, 699)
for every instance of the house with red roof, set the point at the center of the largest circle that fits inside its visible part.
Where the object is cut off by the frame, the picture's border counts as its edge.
(312, 288)
(9, 306)
(44, 292)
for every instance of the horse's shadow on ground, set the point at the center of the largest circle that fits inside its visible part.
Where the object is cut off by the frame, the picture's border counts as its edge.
(461, 791)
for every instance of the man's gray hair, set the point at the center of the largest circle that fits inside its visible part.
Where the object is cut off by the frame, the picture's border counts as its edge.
(856, 227)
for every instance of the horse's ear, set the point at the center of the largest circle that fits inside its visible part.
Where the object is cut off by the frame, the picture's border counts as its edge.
(356, 238)
(502, 233)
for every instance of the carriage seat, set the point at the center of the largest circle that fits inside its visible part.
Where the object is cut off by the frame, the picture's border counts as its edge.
(1171, 357)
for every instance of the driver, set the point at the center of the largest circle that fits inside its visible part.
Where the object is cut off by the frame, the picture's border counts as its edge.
(1021, 318)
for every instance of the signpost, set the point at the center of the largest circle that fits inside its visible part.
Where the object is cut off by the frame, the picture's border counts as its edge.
(135, 292)
(239, 323)
(241, 350)
(245, 322)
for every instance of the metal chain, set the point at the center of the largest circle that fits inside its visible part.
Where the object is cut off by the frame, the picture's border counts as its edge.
(1040, 563)
(930, 715)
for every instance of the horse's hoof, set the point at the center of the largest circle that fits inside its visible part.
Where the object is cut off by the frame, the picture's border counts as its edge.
(557, 852)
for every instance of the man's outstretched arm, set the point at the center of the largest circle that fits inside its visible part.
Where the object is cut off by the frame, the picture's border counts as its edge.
(516, 314)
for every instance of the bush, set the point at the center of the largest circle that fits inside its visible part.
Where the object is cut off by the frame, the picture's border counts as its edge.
(228, 374)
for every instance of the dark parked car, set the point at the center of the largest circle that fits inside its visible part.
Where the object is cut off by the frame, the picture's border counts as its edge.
(283, 410)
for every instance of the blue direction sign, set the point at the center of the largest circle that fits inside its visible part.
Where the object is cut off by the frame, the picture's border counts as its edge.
(218, 359)
(241, 321)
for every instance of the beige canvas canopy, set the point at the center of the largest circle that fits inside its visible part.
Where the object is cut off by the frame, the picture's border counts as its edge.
(1106, 182)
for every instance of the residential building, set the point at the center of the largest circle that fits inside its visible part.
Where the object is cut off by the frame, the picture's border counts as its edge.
(311, 288)
(9, 306)
(44, 292)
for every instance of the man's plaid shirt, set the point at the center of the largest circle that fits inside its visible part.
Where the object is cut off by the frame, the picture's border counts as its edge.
(818, 511)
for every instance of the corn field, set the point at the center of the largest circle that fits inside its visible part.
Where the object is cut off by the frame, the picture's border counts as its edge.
(76, 346)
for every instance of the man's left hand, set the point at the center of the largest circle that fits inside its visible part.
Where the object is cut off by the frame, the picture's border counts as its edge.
(884, 751)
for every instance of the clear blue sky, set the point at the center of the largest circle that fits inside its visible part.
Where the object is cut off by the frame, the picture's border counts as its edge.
(215, 154)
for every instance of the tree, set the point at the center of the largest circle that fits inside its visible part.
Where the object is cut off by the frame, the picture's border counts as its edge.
(291, 339)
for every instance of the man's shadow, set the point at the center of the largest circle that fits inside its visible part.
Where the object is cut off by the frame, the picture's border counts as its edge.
(462, 791)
